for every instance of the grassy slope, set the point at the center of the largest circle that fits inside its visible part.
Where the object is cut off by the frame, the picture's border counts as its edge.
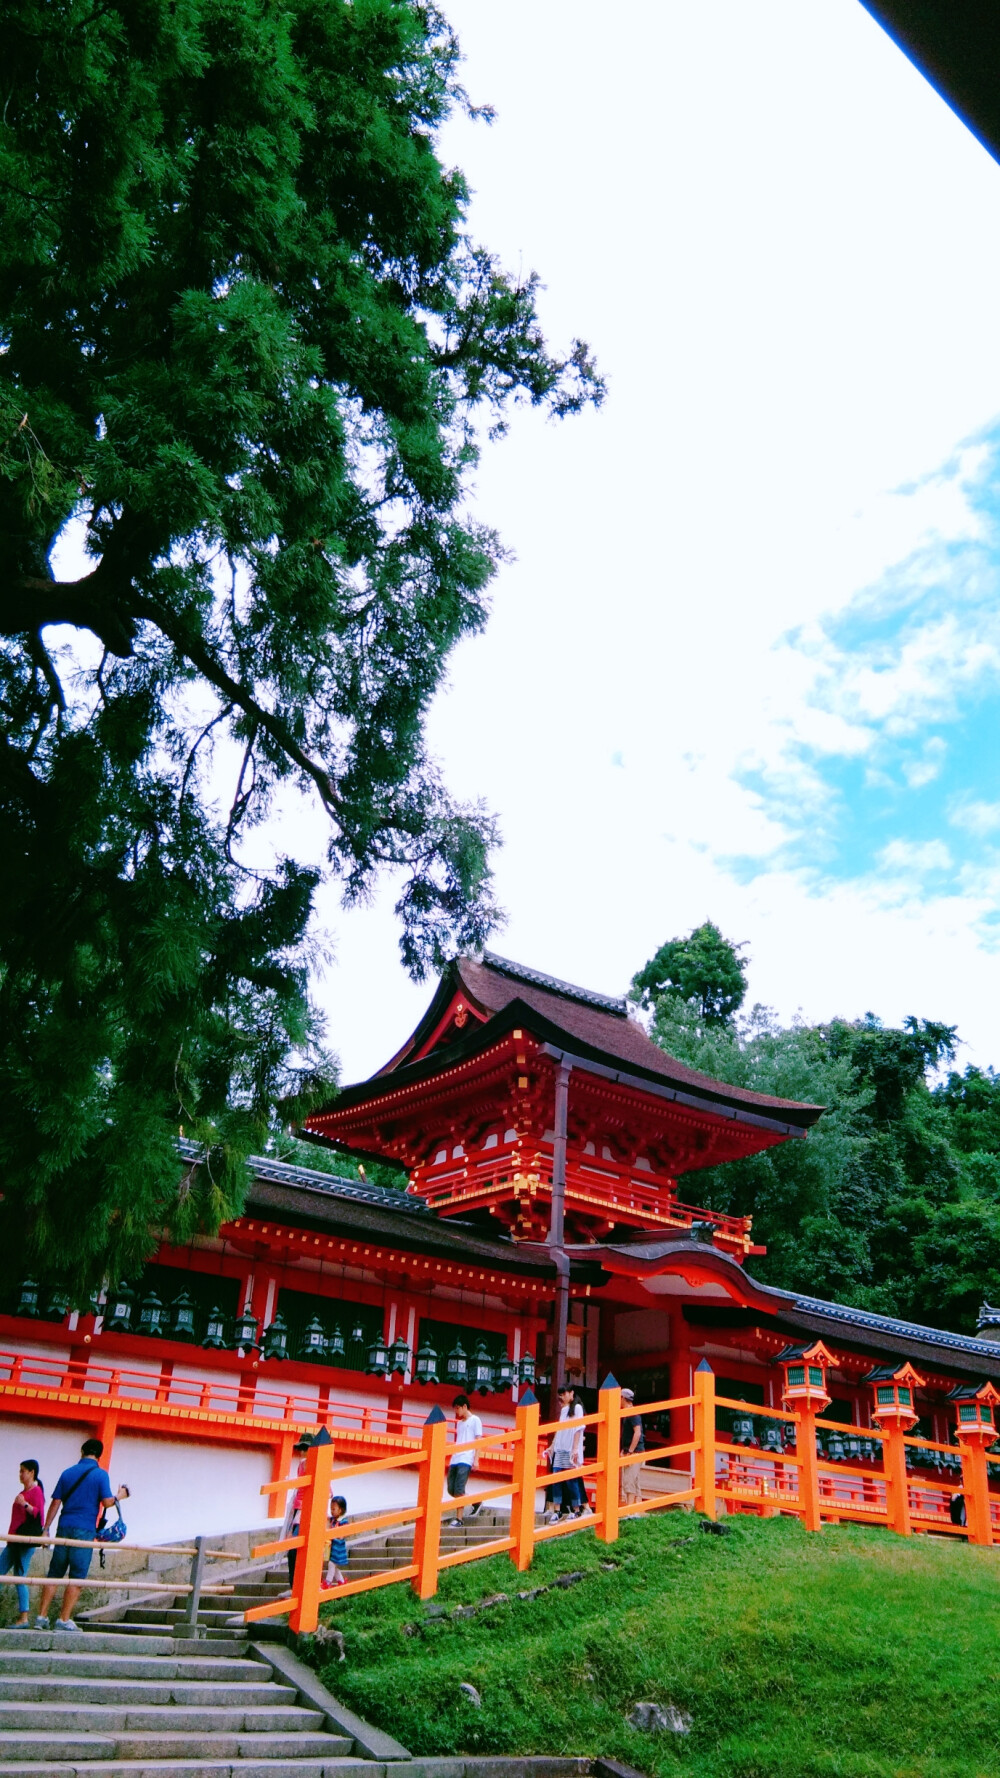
(851, 1654)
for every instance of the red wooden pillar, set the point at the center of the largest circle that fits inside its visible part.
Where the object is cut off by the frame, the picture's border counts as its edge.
(430, 1500)
(609, 1438)
(525, 1480)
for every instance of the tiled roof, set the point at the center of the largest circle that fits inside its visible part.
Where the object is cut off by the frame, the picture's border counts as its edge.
(888, 1324)
(386, 1197)
(602, 1024)
(519, 972)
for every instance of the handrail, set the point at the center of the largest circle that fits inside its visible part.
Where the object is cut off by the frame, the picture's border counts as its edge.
(801, 1483)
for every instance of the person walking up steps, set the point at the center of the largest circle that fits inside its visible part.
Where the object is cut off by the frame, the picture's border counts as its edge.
(633, 1442)
(462, 1460)
(569, 1499)
(339, 1552)
(77, 1497)
(25, 1521)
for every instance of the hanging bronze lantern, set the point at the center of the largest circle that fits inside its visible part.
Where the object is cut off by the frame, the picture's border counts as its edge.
(119, 1309)
(427, 1364)
(182, 1313)
(244, 1334)
(27, 1302)
(456, 1369)
(312, 1341)
(276, 1338)
(152, 1316)
(215, 1331)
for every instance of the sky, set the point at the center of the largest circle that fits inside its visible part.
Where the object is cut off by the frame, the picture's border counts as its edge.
(744, 663)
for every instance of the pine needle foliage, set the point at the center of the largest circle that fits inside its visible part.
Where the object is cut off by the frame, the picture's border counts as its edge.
(247, 352)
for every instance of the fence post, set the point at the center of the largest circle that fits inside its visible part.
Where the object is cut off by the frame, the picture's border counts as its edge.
(304, 1616)
(704, 1440)
(427, 1530)
(897, 1487)
(805, 1451)
(609, 1438)
(976, 1486)
(189, 1627)
(525, 1482)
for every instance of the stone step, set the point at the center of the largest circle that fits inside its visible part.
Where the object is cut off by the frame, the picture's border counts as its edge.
(84, 1665)
(168, 1745)
(54, 1688)
(99, 1641)
(168, 1615)
(36, 1745)
(345, 1766)
(108, 1719)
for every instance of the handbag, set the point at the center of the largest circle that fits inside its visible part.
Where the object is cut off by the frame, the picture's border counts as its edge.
(116, 1532)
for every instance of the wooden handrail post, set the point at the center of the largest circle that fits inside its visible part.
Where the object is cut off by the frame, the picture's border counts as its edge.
(609, 1438)
(281, 1465)
(805, 1451)
(897, 1487)
(304, 1615)
(976, 1487)
(427, 1530)
(525, 1482)
(704, 1440)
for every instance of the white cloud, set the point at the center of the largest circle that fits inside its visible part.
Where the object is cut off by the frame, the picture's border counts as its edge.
(975, 817)
(915, 857)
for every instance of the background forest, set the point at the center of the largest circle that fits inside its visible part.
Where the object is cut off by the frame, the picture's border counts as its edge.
(893, 1202)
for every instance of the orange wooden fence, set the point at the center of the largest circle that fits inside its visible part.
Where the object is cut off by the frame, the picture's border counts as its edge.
(800, 1483)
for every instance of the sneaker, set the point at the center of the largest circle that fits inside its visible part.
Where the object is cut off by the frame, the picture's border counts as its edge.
(24, 1623)
(550, 1518)
(66, 1623)
(453, 1524)
(473, 1510)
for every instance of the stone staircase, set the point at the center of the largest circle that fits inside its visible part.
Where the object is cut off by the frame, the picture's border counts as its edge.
(116, 1704)
(221, 1617)
(110, 1705)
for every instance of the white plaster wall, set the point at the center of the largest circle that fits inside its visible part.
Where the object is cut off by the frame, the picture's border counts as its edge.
(54, 1447)
(181, 1488)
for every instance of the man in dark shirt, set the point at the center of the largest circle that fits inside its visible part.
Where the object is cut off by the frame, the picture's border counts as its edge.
(632, 1441)
(78, 1496)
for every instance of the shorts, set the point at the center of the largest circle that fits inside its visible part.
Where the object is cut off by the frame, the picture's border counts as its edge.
(67, 1564)
(458, 1475)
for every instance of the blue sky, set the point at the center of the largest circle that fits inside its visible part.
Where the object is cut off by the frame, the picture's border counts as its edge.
(743, 661)
(889, 768)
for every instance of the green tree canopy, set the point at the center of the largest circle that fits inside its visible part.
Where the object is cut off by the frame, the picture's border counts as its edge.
(247, 348)
(892, 1202)
(703, 968)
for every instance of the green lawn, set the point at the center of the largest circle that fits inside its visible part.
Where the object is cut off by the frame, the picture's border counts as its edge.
(848, 1654)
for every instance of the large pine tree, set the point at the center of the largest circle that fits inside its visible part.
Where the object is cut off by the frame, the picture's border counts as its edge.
(245, 342)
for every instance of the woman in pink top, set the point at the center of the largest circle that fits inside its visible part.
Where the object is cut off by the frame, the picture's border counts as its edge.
(25, 1521)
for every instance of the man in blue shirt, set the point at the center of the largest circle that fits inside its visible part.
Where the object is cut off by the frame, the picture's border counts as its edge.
(78, 1496)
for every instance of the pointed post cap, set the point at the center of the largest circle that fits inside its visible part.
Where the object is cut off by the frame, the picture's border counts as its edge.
(434, 1416)
(529, 1399)
(322, 1437)
(610, 1382)
(704, 1365)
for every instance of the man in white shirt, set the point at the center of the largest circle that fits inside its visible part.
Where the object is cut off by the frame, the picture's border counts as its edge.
(468, 1427)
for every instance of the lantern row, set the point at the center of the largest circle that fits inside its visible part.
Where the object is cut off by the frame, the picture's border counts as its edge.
(177, 1321)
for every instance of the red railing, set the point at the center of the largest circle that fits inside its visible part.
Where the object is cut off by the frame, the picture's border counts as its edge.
(92, 1382)
(800, 1483)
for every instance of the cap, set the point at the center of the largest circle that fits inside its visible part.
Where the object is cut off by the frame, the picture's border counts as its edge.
(628, 1394)
(303, 1443)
